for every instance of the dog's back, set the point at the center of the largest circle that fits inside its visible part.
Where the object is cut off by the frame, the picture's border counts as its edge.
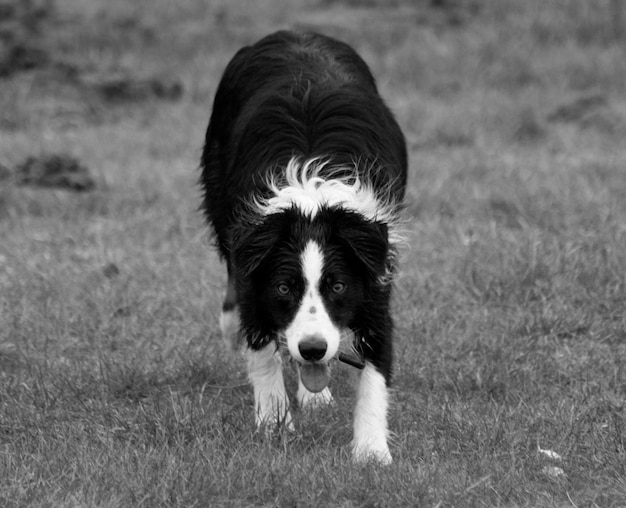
(296, 95)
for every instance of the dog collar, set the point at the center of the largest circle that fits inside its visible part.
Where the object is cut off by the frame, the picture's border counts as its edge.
(351, 359)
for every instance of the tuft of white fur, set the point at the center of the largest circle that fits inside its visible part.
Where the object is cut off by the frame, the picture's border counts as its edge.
(303, 186)
(229, 326)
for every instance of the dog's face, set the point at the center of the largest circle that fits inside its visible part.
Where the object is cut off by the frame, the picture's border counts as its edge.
(305, 279)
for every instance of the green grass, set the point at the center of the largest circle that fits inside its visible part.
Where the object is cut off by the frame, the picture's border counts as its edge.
(115, 388)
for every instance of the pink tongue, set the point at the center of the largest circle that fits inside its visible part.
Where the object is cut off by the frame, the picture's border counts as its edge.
(315, 376)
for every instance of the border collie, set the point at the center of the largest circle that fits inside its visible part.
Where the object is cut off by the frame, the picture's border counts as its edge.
(304, 172)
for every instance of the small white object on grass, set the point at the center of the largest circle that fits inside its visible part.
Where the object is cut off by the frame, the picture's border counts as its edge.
(553, 471)
(550, 454)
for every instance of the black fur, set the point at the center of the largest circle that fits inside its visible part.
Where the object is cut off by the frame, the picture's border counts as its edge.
(290, 94)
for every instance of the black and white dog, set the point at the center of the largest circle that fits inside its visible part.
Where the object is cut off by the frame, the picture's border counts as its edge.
(304, 172)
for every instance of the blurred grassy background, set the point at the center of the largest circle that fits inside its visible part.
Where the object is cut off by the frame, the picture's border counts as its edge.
(115, 389)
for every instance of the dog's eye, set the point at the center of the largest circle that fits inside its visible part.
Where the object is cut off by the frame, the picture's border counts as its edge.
(283, 289)
(339, 287)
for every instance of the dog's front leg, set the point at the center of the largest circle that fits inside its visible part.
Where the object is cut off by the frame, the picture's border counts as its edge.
(271, 404)
(370, 418)
(229, 318)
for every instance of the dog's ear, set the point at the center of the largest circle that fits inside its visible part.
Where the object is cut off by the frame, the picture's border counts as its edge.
(367, 240)
(251, 244)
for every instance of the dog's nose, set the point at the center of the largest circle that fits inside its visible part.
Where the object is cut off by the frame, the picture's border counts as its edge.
(312, 348)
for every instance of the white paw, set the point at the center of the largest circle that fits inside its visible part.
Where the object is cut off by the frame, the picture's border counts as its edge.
(374, 449)
(310, 400)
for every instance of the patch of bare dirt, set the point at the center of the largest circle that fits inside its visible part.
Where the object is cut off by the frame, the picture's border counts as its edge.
(21, 25)
(56, 170)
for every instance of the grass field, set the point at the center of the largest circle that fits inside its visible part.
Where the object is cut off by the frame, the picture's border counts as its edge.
(510, 307)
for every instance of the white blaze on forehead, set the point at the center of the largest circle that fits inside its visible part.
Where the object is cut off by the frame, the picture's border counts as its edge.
(312, 266)
(312, 318)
